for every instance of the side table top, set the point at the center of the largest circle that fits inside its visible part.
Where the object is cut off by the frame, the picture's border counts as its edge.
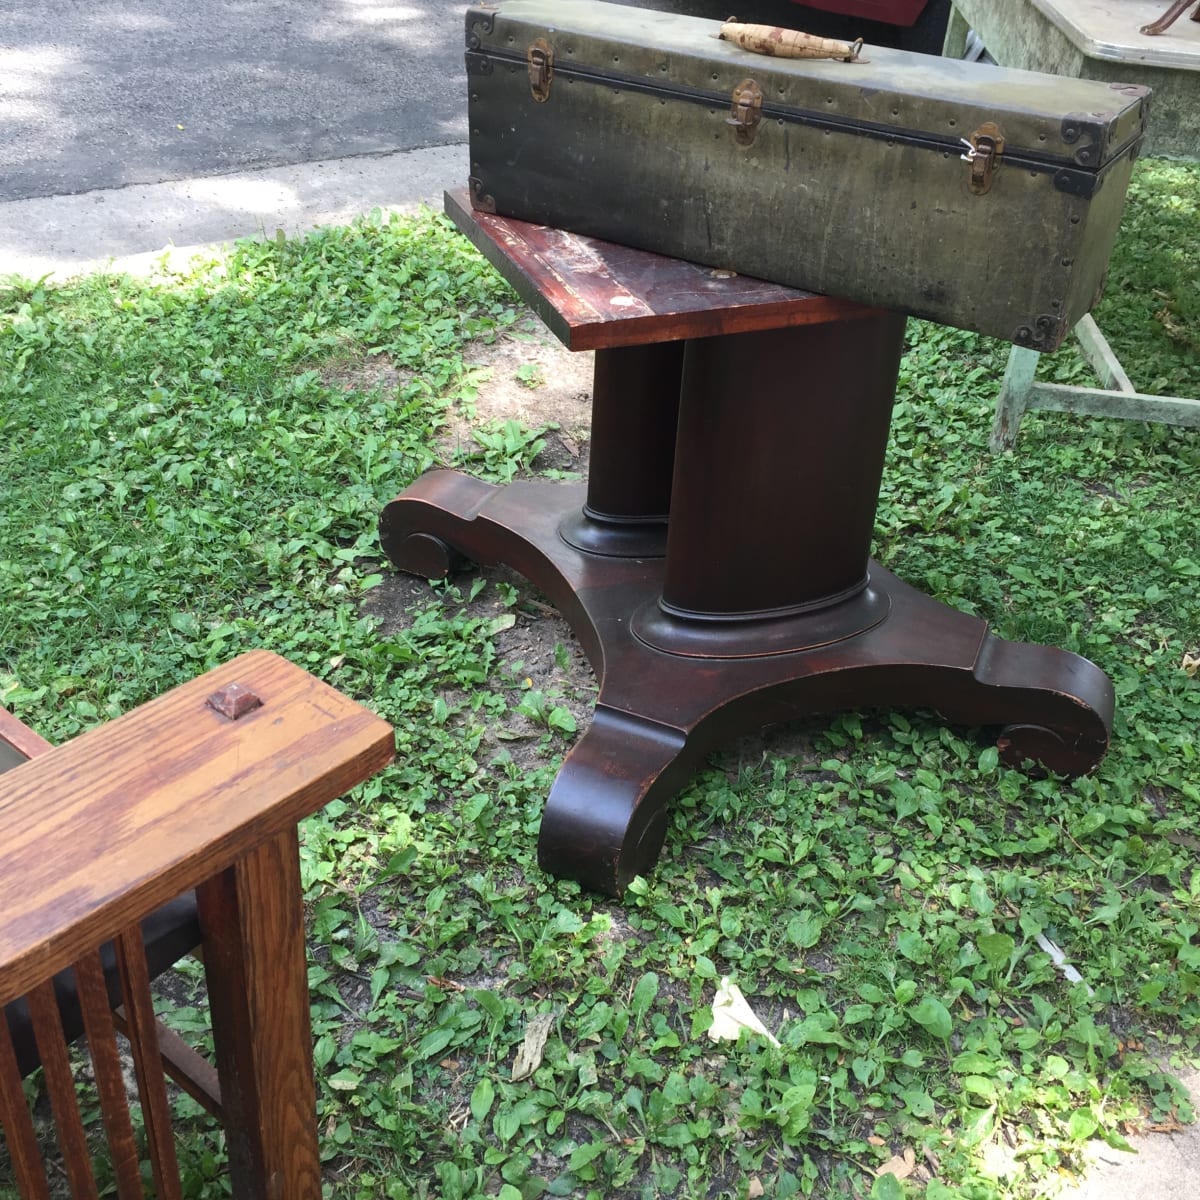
(597, 295)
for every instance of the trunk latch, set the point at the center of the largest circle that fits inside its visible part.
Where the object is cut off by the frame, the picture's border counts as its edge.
(541, 69)
(745, 111)
(984, 148)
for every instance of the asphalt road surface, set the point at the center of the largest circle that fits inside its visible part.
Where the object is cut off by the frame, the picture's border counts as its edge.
(106, 93)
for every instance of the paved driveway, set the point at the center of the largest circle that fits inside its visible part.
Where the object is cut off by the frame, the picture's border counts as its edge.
(105, 93)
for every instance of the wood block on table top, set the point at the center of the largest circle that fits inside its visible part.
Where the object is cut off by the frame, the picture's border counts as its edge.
(597, 295)
(96, 833)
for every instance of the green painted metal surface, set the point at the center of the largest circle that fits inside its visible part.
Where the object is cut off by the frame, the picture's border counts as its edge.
(852, 182)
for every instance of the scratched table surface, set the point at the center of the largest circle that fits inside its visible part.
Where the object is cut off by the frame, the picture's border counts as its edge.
(597, 295)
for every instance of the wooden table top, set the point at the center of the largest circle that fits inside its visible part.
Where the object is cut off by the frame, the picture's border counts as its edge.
(597, 295)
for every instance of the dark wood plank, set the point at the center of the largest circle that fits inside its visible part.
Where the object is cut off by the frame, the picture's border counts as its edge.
(253, 922)
(597, 295)
(98, 832)
(60, 1084)
(17, 1126)
(110, 1082)
(147, 1065)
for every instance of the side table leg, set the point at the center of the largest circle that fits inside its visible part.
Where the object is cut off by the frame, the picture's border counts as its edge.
(1013, 399)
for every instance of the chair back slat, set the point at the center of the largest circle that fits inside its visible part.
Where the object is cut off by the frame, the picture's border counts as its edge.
(147, 1063)
(110, 1081)
(17, 1125)
(200, 789)
(60, 1085)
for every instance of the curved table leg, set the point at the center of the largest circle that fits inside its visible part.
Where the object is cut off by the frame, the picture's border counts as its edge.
(663, 706)
(606, 816)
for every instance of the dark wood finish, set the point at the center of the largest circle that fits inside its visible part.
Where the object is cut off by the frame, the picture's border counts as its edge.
(635, 409)
(106, 1069)
(253, 922)
(659, 713)
(99, 832)
(143, 1042)
(595, 294)
(766, 606)
(781, 442)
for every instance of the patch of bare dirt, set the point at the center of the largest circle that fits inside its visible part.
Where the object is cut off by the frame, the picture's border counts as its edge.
(526, 375)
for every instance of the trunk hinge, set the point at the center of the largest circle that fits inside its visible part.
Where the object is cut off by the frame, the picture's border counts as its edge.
(984, 148)
(541, 69)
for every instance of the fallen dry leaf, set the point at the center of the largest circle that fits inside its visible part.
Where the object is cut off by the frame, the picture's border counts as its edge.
(1191, 664)
(529, 1057)
(900, 1165)
(875, 1140)
(754, 1189)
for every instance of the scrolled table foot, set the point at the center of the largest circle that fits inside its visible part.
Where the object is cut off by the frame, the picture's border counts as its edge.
(1062, 716)
(427, 556)
(428, 530)
(1049, 748)
(606, 816)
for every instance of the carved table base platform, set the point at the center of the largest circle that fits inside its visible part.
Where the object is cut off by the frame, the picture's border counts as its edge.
(672, 688)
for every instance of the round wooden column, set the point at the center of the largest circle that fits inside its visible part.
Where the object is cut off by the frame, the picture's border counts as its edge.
(778, 463)
(635, 407)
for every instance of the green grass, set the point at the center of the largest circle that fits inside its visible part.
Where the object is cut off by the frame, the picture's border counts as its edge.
(186, 477)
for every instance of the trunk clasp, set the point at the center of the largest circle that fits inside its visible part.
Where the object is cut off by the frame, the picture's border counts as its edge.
(541, 69)
(745, 111)
(984, 149)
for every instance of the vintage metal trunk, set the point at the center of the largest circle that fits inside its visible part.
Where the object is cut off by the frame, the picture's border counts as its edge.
(970, 194)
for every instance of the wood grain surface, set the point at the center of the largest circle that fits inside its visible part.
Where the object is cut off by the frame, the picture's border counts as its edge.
(596, 295)
(100, 831)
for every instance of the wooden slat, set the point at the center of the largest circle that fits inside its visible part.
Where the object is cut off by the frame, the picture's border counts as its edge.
(18, 735)
(597, 295)
(253, 922)
(143, 1041)
(189, 1069)
(60, 1083)
(110, 1083)
(102, 830)
(17, 1124)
